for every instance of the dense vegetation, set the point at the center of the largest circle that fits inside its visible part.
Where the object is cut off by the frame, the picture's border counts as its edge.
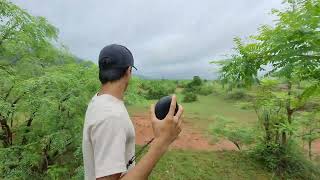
(44, 91)
(43, 96)
(290, 52)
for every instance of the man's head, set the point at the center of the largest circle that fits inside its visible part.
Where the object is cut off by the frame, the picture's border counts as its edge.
(115, 64)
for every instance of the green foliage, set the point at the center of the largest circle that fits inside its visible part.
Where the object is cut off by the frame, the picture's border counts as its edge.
(239, 136)
(194, 85)
(25, 37)
(156, 89)
(197, 86)
(133, 94)
(189, 97)
(196, 81)
(288, 159)
(44, 93)
(310, 124)
(182, 83)
(193, 88)
(291, 51)
(46, 116)
(206, 89)
(237, 94)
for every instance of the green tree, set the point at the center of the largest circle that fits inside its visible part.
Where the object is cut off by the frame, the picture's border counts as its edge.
(43, 96)
(291, 51)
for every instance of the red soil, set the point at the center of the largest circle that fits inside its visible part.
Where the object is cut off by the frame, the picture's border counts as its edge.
(190, 138)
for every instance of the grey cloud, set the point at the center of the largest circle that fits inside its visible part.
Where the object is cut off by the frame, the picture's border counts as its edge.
(169, 38)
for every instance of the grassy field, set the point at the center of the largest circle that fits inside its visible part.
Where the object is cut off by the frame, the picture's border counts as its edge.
(189, 164)
(192, 165)
(204, 111)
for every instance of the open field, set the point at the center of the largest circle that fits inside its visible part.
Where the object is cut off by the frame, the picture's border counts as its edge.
(195, 155)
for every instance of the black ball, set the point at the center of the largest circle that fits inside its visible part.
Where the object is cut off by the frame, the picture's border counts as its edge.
(163, 106)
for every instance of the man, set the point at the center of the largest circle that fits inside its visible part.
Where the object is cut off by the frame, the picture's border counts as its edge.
(108, 133)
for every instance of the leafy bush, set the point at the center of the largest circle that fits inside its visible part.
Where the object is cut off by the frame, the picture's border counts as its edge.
(190, 97)
(205, 89)
(239, 136)
(198, 87)
(195, 83)
(285, 161)
(182, 83)
(157, 89)
(193, 86)
(133, 94)
(237, 94)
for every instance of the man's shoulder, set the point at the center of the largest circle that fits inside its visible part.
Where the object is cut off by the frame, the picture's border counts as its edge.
(97, 111)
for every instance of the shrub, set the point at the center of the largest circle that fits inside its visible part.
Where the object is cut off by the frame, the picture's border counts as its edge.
(157, 89)
(237, 94)
(196, 82)
(239, 136)
(183, 83)
(133, 94)
(190, 97)
(286, 161)
(205, 89)
(193, 86)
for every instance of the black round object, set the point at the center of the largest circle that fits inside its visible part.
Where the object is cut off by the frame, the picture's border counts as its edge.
(163, 106)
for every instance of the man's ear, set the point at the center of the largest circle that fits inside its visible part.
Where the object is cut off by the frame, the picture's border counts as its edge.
(129, 71)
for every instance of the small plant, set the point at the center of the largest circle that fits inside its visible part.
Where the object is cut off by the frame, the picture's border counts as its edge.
(244, 105)
(190, 97)
(286, 162)
(237, 94)
(206, 89)
(157, 89)
(239, 136)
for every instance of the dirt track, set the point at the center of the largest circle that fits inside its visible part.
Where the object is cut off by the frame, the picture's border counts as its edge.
(190, 138)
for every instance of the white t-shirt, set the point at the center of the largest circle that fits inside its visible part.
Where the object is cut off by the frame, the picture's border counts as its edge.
(108, 137)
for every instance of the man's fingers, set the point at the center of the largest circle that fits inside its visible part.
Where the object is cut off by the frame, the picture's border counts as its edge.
(178, 116)
(179, 123)
(180, 111)
(172, 105)
(152, 114)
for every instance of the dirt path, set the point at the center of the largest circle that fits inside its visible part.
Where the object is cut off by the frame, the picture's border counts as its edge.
(190, 138)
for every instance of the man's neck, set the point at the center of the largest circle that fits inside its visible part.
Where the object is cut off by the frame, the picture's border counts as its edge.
(115, 89)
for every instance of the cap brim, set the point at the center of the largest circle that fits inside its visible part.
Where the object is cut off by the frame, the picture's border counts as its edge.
(135, 68)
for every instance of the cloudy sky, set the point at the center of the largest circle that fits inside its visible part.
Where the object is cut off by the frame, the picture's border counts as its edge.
(168, 38)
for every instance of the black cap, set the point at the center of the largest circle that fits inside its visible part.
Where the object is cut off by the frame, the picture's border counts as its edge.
(115, 56)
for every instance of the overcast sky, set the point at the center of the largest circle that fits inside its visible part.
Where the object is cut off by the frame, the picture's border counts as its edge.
(168, 38)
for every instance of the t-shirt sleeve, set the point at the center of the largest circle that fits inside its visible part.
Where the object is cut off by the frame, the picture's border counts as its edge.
(108, 140)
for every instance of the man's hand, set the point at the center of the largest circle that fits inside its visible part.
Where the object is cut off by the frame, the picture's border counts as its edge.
(168, 129)
(165, 132)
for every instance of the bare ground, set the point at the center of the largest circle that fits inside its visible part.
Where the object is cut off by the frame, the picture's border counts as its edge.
(190, 138)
